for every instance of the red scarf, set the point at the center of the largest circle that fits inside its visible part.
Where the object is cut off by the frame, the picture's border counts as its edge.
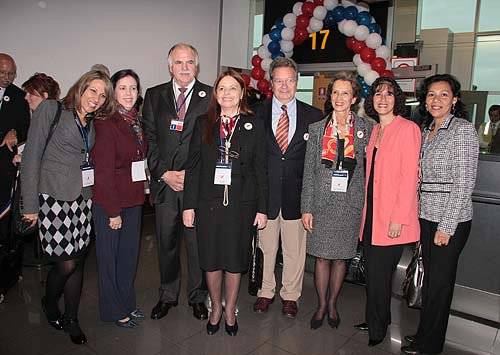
(329, 147)
(131, 117)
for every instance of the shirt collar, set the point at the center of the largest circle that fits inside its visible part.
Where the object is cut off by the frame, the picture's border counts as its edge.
(177, 86)
(444, 125)
(278, 104)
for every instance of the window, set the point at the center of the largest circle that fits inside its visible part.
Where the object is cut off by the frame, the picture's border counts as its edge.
(489, 15)
(452, 14)
(486, 68)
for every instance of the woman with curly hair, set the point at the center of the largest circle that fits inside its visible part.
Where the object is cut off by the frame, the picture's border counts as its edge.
(40, 87)
(390, 213)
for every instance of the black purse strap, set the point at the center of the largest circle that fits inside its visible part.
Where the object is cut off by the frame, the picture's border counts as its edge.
(53, 126)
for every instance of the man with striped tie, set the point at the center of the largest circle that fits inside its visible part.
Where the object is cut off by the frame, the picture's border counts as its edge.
(286, 120)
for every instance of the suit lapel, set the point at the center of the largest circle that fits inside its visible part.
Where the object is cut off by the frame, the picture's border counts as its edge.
(268, 114)
(193, 110)
(299, 126)
(167, 93)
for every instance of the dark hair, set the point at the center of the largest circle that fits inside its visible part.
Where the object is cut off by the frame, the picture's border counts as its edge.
(494, 108)
(72, 99)
(40, 83)
(458, 110)
(120, 74)
(356, 89)
(213, 110)
(399, 97)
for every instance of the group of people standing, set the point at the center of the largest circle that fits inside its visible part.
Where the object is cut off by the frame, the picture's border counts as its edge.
(314, 182)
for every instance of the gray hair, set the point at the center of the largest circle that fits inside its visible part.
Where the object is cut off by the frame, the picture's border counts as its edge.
(184, 46)
(281, 62)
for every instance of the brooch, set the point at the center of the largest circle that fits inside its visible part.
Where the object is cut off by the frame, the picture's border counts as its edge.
(248, 126)
(306, 136)
(6, 98)
(202, 93)
(360, 134)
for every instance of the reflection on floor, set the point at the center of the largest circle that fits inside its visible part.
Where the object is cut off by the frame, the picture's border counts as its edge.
(24, 329)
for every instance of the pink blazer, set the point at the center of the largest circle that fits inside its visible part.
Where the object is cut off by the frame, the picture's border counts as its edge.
(395, 182)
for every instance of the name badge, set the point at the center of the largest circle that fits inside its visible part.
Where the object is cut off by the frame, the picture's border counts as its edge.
(176, 125)
(222, 174)
(87, 175)
(340, 178)
(139, 170)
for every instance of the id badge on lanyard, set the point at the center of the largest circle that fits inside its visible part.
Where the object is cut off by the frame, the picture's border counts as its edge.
(139, 170)
(223, 174)
(86, 168)
(87, 175)
(340, 177)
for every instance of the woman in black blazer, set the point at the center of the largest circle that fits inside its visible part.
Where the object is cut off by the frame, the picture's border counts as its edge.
(226, 188)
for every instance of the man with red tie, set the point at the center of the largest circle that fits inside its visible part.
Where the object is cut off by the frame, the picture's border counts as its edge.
(286, 120)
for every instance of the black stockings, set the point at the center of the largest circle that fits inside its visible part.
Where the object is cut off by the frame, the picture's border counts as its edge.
(328, 278)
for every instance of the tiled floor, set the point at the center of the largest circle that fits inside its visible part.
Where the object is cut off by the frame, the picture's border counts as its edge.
(24, 330)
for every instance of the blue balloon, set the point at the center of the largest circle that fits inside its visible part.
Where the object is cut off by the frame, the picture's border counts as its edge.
(338, 13)
(374, 28)
(279, 23)
(364, 18)
(275, 34)
(350, 13)
(329, 20)
(360, 80)
(279, 54)
(274, 47)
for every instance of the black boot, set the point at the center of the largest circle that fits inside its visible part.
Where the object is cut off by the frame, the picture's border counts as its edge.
(72, 327)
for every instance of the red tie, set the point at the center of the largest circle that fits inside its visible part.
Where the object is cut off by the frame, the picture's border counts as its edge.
(181, 104)
(282, 130)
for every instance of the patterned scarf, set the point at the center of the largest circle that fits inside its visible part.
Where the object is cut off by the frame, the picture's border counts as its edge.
(330, 139)
(132, 118)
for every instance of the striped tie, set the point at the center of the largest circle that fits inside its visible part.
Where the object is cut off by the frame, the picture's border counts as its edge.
(181, 104)
(282, 130)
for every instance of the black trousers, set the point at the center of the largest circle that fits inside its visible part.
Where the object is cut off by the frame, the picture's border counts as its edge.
(169, 231)
(440, 269)
(117, 254)
(381, 262)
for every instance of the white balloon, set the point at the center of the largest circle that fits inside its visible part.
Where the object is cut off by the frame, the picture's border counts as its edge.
(361, 6)
(309, 29)
(297, 8)
(287, 34)
(263, 52)
(315, 24)
(362, 68)
(383, 52)
(330, 4)
(289, 19)
(361, 33)
(267, 76)
(346, 3)
(253, 83)
(373, 40)
(286, 46)
(371, 76)
(357, 60)
(288, 54)
(341, 26)
(320, 12)
(350, 28)
(266, 63)
(266, 40)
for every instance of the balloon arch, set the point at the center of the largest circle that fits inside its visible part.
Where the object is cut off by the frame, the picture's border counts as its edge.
(371, 57)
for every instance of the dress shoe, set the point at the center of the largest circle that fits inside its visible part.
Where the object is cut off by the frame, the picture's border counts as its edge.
(316, 323)
(55, 323)
(410, 339)
(161, 309)
(374, 342)
(137, 314)
(199, 310)
(289, 308)
(362, 326)
(232, 330)
(213, 328)
(72, 327)
(261, 305)
(410, 349)
(334, 322)
(127, 324)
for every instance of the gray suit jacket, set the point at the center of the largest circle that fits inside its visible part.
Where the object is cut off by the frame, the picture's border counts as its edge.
(56, 173)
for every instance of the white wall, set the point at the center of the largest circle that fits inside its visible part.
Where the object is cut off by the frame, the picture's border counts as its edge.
(67, 37)
(237, 33)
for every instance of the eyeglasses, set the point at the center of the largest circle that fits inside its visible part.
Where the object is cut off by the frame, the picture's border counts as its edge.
(288, 81)
(8, 74)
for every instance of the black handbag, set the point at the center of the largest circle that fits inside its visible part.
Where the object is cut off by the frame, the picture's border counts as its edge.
(256, 267)
(356, 271)
(20, 225)
(414, 279)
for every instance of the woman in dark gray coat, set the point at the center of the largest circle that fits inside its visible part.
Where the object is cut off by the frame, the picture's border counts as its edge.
(56, 179)
(333, 193)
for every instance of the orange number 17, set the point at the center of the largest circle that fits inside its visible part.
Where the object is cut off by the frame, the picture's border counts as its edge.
(325, 34)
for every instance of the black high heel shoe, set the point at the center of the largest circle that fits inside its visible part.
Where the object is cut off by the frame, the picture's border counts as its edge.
(334, 322)
(72, 327)
(57, 323)
(232, 330)
(213, 328)
(316, 323)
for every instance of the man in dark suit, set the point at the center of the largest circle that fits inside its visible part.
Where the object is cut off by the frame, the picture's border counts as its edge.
(14, 122)
(287, 120)
(169, 114)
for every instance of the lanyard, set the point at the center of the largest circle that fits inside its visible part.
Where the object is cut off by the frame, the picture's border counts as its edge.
(340, 151)
(183, 103)
(85, 136)
(228, 132)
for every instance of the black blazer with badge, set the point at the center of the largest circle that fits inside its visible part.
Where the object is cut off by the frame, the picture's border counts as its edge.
(168, 149)
(286, 170)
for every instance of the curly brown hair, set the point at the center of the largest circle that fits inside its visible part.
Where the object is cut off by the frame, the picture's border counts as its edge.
(399, 97)
(40, 83)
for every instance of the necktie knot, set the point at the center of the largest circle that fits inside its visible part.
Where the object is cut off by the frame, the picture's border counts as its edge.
(182, 90)
(284, 108)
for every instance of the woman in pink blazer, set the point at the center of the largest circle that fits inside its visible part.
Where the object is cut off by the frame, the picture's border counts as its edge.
(389, 219)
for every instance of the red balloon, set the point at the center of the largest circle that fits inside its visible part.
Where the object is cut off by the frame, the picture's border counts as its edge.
(256, 60)
(378, 64)
(308, 8)
(300, 36)
(358, 46)
(258, 73)
(269, 94)
(349, 42)
(318, 2)
(302, 21)
(246, 79)
(263, 85)
(387, 74)
(367, 54)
